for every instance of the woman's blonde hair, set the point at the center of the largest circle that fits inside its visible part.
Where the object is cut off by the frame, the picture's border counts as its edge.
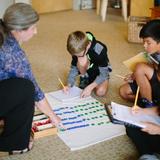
(77, 42)
(19, 16)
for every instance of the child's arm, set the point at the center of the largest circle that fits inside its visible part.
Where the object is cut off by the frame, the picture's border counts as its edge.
(72, 75)
(87, 91)
(151, 128)
(103, 75)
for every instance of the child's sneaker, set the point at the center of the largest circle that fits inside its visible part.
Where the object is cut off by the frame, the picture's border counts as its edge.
(145, 103)
(84, 81)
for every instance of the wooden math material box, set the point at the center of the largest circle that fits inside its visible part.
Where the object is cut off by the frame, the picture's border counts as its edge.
(44, 133)
(42, 127)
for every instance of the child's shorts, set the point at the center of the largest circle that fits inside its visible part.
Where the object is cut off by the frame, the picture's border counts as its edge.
(133, 86)
(93, 73)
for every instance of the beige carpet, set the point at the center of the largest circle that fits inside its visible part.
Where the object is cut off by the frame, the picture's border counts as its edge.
(49, 59)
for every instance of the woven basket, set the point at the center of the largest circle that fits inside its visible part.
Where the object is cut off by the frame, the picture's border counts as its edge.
(135, 24)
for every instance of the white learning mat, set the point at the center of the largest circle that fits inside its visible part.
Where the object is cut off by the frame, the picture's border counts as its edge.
(86, 122)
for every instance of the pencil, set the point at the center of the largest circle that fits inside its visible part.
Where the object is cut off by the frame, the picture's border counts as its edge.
(61, 82)
(136, 98)
(117, 75)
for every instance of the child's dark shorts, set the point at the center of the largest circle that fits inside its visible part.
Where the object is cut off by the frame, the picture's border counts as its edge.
(133, 86)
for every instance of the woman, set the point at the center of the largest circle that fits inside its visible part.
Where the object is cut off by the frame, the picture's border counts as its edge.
(17, 94)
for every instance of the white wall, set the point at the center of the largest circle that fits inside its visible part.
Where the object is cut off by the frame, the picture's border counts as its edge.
(3, 5)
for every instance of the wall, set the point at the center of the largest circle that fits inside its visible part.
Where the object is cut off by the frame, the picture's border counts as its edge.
(141, 7)
(4, 5)
(46, 6)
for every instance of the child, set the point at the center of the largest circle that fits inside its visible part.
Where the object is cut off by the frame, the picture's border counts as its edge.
(90, 60)
(147, 77)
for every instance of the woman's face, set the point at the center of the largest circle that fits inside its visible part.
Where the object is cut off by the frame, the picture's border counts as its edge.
(27, 34)
(150, 45)
(24, 35)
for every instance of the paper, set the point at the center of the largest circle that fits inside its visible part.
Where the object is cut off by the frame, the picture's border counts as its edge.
(86, 124)
(73, 93)
(123, 113)
(85, 121)
(139, 58)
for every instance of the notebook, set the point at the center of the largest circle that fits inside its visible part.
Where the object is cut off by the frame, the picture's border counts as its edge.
(142, 57)
(121, 114)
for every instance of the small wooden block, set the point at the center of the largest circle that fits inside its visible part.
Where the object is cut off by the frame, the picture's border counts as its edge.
(44, 133)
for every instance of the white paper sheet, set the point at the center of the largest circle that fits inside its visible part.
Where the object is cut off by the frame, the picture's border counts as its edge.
(72, 94)
(86, 122)
(123, 113)
(82, 138)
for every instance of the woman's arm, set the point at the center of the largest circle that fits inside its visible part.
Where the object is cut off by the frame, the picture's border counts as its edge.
(44, 107)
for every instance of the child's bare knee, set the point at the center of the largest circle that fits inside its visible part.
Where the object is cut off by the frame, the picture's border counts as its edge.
(100, 92)
(122, 92)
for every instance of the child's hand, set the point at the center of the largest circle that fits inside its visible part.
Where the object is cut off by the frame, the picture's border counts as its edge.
(137, 110)
(129, 78)
(151, 128)
(66, 89)
(86, 92)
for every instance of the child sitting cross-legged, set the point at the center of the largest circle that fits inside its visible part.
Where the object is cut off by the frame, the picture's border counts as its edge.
(147, 77)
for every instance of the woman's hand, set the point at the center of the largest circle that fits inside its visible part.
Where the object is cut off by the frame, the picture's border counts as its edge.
(151, 128)
(45, 108)
(56, 121)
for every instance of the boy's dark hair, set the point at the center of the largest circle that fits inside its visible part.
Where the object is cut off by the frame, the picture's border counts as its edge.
(77, 42)
(151, 29)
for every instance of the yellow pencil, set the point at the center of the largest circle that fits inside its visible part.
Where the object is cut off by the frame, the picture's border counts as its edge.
(117, 75)
(61, 82)
(136, 98)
